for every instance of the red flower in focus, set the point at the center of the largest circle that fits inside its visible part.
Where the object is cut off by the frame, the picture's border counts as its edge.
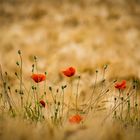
(42, 103)
(75, 119)
(69, 72)
(121, 85)
(38, 77)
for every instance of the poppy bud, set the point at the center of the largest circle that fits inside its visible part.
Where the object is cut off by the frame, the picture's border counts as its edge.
(19, 52)
(42, 103)
(17, 63)
(35, 57)
(50, 88)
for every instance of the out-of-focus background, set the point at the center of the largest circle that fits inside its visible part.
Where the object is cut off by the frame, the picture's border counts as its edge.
(85, 34)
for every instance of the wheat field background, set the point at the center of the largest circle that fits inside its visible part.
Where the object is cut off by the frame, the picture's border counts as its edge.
(86, 34)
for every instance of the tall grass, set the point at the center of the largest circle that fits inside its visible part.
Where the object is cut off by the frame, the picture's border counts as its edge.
(57, 107)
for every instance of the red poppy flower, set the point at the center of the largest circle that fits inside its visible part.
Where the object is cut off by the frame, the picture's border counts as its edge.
(75, 119)
(38, 77)
(69, 72)
(42, 103)
(121, 85)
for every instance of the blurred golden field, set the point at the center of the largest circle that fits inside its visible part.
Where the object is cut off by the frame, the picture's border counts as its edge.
(85, 34)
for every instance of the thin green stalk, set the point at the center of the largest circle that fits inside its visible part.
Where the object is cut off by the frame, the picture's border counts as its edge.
(63, 100)
(5, 88)
(77, 90)
(45, 86)
(21, 69)
(101, 94)
(136, 98)
(103, 77)
(91, 98)
(63, 96)
(50, 88)
(37, 96)
(115, 112)
(122, 106)
(125, 100)
(71, 93)
(94, 87)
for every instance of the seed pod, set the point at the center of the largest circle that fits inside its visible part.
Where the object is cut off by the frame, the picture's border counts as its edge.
(19, 52)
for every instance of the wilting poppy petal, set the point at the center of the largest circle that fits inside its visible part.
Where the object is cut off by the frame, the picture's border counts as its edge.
(121, 85)
(69, 72)
(75, 119)
(42, 103)
(38, 77)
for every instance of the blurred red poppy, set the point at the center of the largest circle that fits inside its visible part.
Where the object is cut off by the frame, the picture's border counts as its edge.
(38, 77)
(42, 103)
(121, 85)
(69, 72)
(75, 119)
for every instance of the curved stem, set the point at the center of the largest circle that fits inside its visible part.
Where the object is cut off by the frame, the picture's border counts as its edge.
(77, 90)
